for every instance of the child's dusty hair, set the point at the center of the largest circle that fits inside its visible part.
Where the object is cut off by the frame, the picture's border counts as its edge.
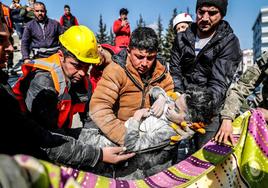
(199, 104)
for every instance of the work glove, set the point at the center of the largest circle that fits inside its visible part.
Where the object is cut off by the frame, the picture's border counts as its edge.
(157, 108)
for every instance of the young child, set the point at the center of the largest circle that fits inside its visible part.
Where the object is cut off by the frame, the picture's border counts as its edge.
(152, 138)
(181, 22)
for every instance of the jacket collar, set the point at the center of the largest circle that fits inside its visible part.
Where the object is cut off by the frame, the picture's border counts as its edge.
(222, 31)
(122, 59)
(45, 20)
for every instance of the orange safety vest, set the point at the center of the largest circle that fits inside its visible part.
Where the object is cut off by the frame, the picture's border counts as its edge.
(6, 12)
(65, 106)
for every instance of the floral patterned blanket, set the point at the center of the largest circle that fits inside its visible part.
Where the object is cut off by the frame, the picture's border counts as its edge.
(215, 165)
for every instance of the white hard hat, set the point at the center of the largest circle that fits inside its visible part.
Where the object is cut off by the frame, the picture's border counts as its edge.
(183, 17)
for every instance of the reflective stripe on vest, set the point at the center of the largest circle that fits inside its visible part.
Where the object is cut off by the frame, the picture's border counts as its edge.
(52, 65)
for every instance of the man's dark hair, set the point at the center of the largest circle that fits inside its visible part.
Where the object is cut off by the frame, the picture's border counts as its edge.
(144, 38)
(40, 3)
(67, 53)
(220, 4)
(199, 102)
(66, 6)
(123, 11)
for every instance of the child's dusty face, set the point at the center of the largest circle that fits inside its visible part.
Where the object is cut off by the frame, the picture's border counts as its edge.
(180, 108)
(180, 27)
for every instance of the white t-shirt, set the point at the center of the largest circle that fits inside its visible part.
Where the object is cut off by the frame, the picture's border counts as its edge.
(200, 43)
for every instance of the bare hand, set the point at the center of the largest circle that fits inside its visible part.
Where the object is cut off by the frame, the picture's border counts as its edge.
(158, 106)
(139, 114)
(112, 155)
(124, 23)
(264, 112)
(226, 132)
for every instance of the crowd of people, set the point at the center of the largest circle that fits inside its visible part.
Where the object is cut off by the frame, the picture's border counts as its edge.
(134, 112)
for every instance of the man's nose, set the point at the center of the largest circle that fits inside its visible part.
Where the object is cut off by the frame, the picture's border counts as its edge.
(82, 72)
(205, 16)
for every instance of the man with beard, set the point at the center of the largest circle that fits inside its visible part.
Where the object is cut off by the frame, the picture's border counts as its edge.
(41, 35)
(207, 54)
(20, 134)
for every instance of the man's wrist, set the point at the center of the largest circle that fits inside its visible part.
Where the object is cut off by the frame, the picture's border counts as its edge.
(226, 118)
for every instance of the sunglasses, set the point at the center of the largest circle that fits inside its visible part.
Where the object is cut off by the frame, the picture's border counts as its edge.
(210, 12)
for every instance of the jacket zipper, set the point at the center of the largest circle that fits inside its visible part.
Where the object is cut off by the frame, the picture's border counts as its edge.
(146, 86)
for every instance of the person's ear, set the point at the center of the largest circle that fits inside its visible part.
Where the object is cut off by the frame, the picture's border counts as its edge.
(61, 55)
(99, 48)
(128, 51)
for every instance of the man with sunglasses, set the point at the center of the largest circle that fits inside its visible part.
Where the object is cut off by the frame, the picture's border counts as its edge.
(41, 35)
(207, 54)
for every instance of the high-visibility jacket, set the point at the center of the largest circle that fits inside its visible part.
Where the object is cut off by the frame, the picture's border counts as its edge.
(65, 106)
(6, 12)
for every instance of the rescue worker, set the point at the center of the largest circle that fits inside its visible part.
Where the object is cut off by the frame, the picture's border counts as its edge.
(21, 135)
(7, 17)
(53, 89)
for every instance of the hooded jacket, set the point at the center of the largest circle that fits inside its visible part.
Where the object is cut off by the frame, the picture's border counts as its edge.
(213, 67)
(120, 92)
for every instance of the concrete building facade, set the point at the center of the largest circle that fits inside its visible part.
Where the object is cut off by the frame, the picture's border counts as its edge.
(260, 33)
(247, 58)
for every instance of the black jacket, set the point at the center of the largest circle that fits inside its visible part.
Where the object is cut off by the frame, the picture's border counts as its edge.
(213, 67)
(21, 135)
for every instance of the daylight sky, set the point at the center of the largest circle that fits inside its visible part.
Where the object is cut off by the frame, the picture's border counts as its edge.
(241, 14)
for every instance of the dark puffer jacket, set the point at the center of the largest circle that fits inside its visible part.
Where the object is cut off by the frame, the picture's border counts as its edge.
(213, 67)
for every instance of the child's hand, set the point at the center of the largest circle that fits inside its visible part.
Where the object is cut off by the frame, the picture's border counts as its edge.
(158, 106)
(142, 113)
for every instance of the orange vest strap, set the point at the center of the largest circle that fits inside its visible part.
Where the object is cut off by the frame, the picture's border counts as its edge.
(54, 68)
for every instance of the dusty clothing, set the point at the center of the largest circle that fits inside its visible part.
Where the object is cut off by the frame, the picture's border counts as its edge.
(21, 134)
(122, 34)
(36, 37)
(117, 97)
(149, 139)
(212, 68)
(253, 77)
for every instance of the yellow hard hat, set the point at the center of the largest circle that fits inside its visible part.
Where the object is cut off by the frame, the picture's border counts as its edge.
(81, 42)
